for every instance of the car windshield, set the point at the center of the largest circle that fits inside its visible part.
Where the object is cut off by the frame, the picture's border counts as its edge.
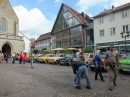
(86, 55)
(69, 55)
(57, 55)
(128, 56)
(102, 55)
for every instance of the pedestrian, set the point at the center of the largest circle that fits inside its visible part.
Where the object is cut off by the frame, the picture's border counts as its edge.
(31, 57)
(6, 57)
(112, 61)
(1, 57)
(79, 68)
(98, 62)
(24, 58)
(13, 58)
(20, 57)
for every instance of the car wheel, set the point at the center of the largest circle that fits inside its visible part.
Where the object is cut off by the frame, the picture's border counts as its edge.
(46, 61)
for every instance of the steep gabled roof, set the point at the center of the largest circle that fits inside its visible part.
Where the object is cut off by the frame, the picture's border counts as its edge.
(79, 16)
(113, 10)
(44, 36)
(82, 18)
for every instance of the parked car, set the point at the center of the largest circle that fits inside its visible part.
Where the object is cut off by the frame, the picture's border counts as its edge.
(125, 64)
(45, 58)
(67, 60)
(88, 58)
(55, 59)
(91, 64)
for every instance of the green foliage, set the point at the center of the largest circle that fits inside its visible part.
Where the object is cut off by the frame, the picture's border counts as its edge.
(45, 52)
(66, 51)
(36, 51)
(88, 50)
(44, 49)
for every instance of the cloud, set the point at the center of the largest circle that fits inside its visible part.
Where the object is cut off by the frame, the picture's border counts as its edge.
(32, 23)
(58, 1)
(85, 4)
(119, 2)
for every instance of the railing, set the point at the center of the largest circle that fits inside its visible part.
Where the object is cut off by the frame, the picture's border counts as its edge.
(11, 37)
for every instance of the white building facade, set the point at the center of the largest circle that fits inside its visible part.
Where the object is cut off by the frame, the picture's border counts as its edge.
(108, 26)
(44, 42)
(26, 43)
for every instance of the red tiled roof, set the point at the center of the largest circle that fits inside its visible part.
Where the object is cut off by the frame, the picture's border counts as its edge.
(112, 10)
(44, 36)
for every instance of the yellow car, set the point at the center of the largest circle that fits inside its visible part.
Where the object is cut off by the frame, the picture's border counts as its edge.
(55, 59)
(45, 58)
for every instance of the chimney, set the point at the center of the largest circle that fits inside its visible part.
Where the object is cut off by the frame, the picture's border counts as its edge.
(104, 9)
(113, 7)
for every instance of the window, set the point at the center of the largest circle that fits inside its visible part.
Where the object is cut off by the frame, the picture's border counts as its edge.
(65, 42)
(112, 17)
(124, 13)
(125, 28)
(100, 20)
(3, 10)
(2, 26)
(112, 31)
(64, 33)
(75, 40)
(75, 30)
(101, 33)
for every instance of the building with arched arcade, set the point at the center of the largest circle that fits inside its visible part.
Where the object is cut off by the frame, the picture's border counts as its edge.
(10, 41)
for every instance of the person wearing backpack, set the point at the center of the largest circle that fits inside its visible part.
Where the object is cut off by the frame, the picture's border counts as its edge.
(112, 60)
(98, 62)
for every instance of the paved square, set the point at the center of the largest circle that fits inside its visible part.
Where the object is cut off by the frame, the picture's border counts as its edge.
(51, 80)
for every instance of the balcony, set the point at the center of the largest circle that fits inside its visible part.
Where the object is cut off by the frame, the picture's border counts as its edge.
(11, 37)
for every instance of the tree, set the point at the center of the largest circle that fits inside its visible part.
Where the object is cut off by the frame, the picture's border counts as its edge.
(44, 49)
(88, 50)
(36, 51)
(45, 52)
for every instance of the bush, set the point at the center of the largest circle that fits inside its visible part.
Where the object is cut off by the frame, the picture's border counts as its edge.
(88, 50)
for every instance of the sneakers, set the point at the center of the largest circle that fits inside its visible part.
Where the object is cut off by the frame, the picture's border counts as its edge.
(114, 83)
(110, 88)
(78, 87)
(88, 87)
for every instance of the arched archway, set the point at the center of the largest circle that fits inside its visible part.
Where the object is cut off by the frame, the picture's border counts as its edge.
(6, 48)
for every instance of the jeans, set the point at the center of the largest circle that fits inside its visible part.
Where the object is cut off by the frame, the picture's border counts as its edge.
(82, 69)
(13, 60)
(24, 61)
(31, 61)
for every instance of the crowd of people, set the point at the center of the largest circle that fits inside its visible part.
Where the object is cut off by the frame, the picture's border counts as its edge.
(22, 57)
(80, 68)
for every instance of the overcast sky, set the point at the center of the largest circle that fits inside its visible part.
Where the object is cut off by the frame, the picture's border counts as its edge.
(37, 17)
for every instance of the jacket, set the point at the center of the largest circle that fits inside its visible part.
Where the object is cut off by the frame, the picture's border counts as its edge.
(76, 65)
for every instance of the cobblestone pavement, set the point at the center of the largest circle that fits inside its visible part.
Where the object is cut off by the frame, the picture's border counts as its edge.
(51, 80)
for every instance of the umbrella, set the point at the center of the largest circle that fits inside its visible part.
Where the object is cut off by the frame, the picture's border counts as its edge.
(72, 49)
(56, 49)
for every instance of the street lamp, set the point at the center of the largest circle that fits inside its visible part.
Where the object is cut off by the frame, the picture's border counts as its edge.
(124, 35)
(50, 46)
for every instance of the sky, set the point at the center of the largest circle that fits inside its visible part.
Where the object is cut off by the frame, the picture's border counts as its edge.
(37, 17)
